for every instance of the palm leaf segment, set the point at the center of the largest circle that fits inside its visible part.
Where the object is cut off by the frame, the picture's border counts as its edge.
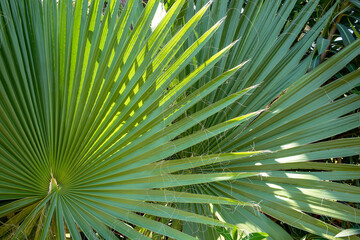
(308, 111)
(86, 116)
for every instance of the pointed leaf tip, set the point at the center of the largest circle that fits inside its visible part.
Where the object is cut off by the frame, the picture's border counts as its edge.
(235, 42)
(222, 19)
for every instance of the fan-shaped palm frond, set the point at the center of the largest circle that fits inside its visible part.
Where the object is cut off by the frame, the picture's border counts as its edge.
(86, 116)
(109, 129)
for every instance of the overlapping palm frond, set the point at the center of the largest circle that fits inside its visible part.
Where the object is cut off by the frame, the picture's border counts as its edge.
(302, 109)
(110, 129)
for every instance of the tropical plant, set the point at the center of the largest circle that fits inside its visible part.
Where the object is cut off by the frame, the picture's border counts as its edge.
(82, 132)
(291, 188)
(111, 130)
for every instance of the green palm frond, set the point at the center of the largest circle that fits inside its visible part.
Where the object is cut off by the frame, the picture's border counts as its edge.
(111, 129)
(86, 117)
(306, 110)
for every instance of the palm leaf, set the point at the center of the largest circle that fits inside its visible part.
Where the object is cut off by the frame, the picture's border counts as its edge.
(109, 128)
(85, 111)
(306, 110)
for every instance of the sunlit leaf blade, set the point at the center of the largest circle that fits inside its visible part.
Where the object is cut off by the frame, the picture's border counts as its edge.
(348, 232)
